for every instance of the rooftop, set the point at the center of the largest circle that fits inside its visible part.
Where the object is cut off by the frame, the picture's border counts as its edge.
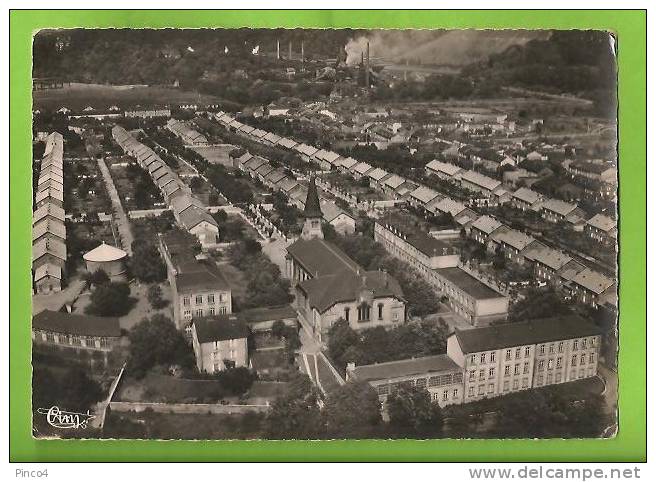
(480, 180)
(219, 328)
(321, 258)
(602, 222)
(524, 333)
(104, 253)
(467, 283)
(74, 324)
(593, 281)
(486, 224)
(405, 368)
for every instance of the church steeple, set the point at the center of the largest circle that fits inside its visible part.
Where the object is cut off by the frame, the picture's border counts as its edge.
(312, 214)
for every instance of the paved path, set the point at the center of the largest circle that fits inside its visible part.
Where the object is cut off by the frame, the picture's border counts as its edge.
(122, 222)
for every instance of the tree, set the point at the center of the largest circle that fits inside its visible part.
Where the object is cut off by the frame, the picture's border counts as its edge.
(340, 337)
(296, 415)
(538, 304)
(154, 296)
(71, 389)
(352, 410)
(278, 328)
(111, 299)
(156, 341)
(96, 278)
(146, 264)
(237, 380)
(413, 415)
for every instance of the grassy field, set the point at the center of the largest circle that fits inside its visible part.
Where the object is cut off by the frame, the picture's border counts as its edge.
(76, 96)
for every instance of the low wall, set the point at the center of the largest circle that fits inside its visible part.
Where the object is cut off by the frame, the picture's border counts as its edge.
(200, 408)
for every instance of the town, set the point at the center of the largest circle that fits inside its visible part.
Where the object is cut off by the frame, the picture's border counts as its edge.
(362, 247)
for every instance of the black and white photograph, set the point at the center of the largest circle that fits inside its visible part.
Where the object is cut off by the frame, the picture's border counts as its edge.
(287, 234)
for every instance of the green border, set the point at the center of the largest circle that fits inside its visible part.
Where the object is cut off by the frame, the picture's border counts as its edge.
(629, 445)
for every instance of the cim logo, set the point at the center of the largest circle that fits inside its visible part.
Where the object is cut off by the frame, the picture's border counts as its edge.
(66, 420)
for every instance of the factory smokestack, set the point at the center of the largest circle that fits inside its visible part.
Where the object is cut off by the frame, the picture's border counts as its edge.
(366, 71)
(278, 49)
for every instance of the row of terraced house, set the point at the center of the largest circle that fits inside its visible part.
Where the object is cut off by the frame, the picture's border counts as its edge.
(551, 266)
(49, 230)
(189, 212)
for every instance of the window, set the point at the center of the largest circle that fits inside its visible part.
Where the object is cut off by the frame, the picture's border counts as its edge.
(481, 389)
(591, 358)
(541, 365)
(527, 351)
(223, 310)
(481, 374)
(90, 342)
(508, 354)
(445, 395)
(541, 349)
(471, 391)
(472, 375)
(582, 359)
(212, 311)
(380, 311)
(593, 341)
(491, 372)
(490, 388)
(576, 345)
(199, 312)
(347, 313)
(526, 367)
(50, 337)
(364, 312)
(516, 369)
(550, 365)
(518, 353)
(455, 392)
(573, 360)
(187, 314)
(482, 357)
(560, 347)
(506, 371)
(185, 301)
(472, 359)
(199, 299)
(222, 297)
(584, 343)
(493, 357)
(540, 379)
(382, 389)
(210, 299)
(104, 342)
(76, 340)
(551, 349)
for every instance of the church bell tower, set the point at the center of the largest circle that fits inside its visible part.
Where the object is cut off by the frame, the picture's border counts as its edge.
(312, 214)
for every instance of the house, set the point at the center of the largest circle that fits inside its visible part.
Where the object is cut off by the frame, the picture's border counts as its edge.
(199, 287)
(190, 213)
(188, 135)
(376, 177)
(49, 228)
(556, 211)
(49, 251)
(526, 199)
(219, 343)
(438, 374)
(341, 220)
(48, 211)
(597, 170)
(82, 333)
(287, 143)
(331, 286)
(506, 358)
(361, 169)
(345, 164)
(391, 184)
(593, 288)
(475, 301)
(445, 206)
(482, 228)
(601, 228)
(48, 279)
(109, 259)
(306, 152)
(511, 242)
(444, 170)
(548, 262)
(422, 196)
(326, 159)
(477, 182)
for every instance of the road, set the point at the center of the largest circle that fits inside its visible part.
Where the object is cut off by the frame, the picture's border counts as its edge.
(122, 221)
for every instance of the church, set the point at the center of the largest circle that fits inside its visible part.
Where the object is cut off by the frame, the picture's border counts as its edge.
(329, 285)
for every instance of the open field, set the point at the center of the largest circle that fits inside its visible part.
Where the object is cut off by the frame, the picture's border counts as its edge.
(76, 96)
(216, 154)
